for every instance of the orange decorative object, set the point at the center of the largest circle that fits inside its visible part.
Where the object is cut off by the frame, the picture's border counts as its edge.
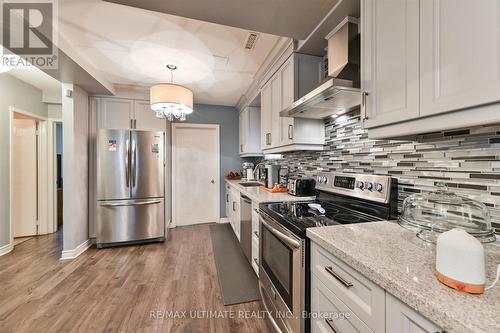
(275, 189)
(468, 288)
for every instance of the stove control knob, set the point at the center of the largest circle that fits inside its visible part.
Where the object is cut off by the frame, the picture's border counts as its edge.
(360, 185)
(369, 186)
(378, 187)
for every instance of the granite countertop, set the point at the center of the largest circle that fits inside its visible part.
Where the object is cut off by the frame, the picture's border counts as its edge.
(255, 193)
(402, 264)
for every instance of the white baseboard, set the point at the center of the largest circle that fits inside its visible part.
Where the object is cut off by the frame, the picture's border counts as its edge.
(72, 254)
(6, 249)
(223, 220)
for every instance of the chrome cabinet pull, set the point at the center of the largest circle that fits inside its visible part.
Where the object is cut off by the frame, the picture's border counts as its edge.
(234, 209)
(346, 283)
(127, 157)
(290, 132)
(133, 163)
(329, 322)
(241, 148)
(364, 114)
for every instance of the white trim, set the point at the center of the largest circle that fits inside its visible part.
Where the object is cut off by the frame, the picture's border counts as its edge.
(223, 220)
(43, 185)
(72, 254)
(216, 127)
(6, 249)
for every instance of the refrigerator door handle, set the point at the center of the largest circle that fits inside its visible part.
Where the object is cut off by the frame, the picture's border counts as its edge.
(134, 203)
(134, 166)
(127, 173)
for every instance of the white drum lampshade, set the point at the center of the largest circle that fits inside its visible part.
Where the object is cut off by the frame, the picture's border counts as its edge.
(170, 100)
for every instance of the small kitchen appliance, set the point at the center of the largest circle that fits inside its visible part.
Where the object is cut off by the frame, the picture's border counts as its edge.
(302, 187)
(284, 265)
(270, 175)
(248, 171)
(460, 261)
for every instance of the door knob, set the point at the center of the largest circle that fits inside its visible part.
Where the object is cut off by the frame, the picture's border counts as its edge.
(212, 181)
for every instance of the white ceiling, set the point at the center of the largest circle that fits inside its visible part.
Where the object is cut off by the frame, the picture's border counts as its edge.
(132, 46)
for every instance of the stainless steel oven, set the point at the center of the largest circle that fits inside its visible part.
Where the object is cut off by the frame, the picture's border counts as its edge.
(282, 275)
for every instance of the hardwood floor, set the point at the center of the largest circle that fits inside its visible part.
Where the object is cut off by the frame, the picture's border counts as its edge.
(126, 289)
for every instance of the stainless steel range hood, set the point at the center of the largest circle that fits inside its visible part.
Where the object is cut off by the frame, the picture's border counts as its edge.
(335, 96)
(339, 94)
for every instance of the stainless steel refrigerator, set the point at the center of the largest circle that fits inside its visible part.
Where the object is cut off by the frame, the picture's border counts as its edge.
(130, 187)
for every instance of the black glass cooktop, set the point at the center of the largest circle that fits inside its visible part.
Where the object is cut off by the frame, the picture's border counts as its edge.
(298, 216)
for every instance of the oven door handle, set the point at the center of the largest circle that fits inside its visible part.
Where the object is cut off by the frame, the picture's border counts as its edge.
(286, 239)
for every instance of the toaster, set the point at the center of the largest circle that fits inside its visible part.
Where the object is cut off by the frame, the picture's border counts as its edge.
(302, 187)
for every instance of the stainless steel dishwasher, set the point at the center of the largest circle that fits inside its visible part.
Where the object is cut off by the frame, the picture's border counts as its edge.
(246, 227)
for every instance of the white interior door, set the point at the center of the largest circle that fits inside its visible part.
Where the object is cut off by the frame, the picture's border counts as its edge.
(24, 185)
(195, 154)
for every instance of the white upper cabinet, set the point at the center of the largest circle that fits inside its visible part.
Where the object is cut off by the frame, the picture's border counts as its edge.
(145, 118)
(276, 129)
(122, 113)
(287, 99)
(265, 116)
(250, 132)
(115, 113)
(459, 54)
(390, 77)
(429, 65)
(297, 75)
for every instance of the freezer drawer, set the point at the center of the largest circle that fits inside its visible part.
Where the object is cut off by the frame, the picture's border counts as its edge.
(130, 221)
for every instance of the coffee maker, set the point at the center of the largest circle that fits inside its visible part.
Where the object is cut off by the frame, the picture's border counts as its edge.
(270, 175)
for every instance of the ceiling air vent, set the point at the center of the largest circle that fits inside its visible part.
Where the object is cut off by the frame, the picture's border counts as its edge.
(251, 40)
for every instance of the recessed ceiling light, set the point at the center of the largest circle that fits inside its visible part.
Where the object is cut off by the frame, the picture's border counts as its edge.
(335, 116)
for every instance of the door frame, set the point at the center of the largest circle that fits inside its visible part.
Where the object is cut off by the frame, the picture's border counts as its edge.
(176, 126)
(46, 181)
(53, 175)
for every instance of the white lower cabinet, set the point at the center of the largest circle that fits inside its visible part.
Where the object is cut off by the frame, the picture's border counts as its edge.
(233, 209)
(345, 301)
(255, 236)
(401, 318)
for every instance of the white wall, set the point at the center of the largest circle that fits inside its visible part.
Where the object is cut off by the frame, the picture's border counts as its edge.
(54, 111)
(18, 94)
(75, 112)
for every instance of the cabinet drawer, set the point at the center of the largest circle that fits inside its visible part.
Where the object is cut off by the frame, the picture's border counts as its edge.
(255, 224)
(255, 254)
(363, 297)
(331, 314)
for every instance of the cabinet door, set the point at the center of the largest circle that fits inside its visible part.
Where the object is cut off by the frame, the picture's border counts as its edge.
(115, 113)
(145, 118)
(287, 98)
(265, 116)
(460, 54)
(275, 110)
(390, 61)
(244, 130)
(400, 318)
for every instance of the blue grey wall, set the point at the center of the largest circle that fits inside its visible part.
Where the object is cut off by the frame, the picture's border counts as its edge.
(228, 119)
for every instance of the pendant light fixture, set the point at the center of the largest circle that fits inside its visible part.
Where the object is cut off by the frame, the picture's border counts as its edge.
(171, 101)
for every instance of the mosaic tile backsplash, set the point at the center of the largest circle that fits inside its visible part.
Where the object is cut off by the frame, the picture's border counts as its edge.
(467, 160)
